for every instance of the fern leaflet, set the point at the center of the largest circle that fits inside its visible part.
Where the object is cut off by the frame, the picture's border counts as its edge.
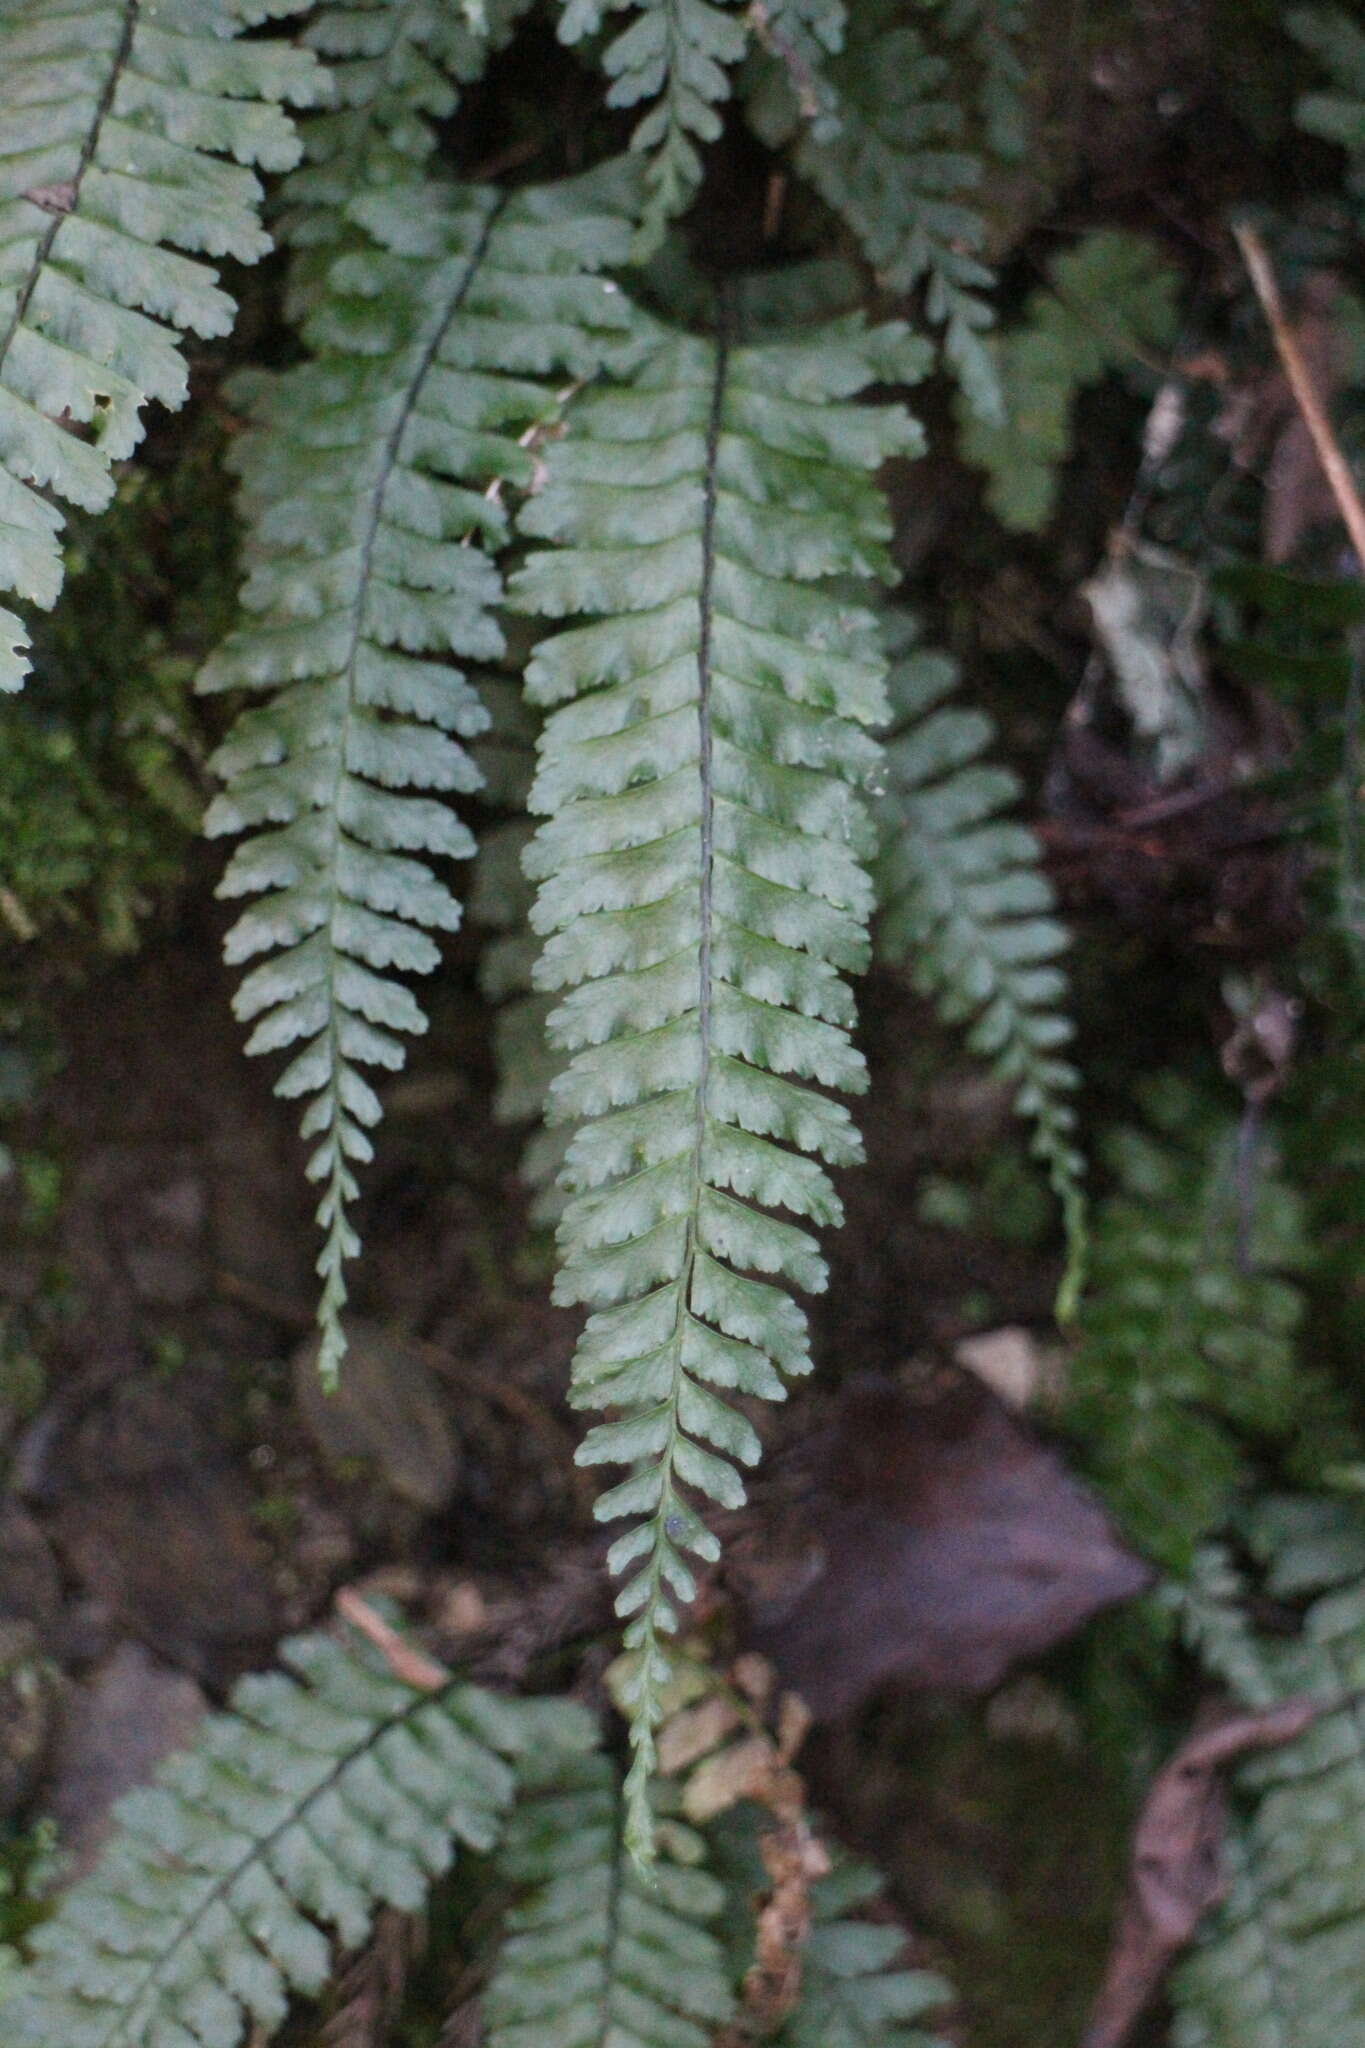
(596, 1955)
(362, 476)
(853, 1995)
(894, 171)
(702, 892)
(324, 1791)
(397, 67)
(1111, 302)
(116, 121)
(966, 905)
(676, 53)
(1337, 115)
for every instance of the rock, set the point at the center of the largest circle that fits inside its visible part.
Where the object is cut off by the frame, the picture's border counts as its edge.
(130, 1714)
(388, 1420)
(1008, 1360)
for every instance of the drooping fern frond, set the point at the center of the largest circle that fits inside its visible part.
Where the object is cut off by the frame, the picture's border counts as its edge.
(397, 68)
(896, 172)
(1110, 303)
(365, 483)
(677, 54)
(1187, 1355)
(595, 1954)
(324, 1791)
(702, 893)
(1281, 1964)
(967, 907)
(127, 135)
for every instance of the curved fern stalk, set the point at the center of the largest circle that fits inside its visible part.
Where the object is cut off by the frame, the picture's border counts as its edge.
(895, 171)
(966, 905)
(702, 892)
(595, 1954)
(323, 1792)
(115, 118)
(676, 53)
(397, 67)
(365, 484)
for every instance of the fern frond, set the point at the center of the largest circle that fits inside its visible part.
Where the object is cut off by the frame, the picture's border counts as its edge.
(966, 905)
(1282, 1962)
(127, 134)
(677, 54)
(325, 1790)
(364, 484)
(854, 1993)
(397, 69)
(702, 892)
(1110, 304)
(994, 31)
(895, 172)
(595, 1954)
(1187, 1335)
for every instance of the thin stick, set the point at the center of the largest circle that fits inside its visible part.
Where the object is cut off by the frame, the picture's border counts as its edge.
(404, 1659)
(1334, 464)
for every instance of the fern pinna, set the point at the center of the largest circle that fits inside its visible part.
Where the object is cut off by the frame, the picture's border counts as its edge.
(323, 1792)
(966, 905)
(366, 489)
(594, 1953)
(702, 894)
(116, 121)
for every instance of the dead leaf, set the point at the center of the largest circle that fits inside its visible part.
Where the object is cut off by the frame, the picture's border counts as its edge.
(369, 1990)
(1177, 1869)
(933, 1539)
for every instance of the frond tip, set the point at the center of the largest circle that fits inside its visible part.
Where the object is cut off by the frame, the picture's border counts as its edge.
(365, 483)
(127, 134)
(702, 894)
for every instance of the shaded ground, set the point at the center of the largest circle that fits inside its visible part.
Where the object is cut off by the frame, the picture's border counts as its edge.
(177, 1496)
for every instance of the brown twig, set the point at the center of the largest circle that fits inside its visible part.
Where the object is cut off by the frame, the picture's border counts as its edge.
(403, 1658)
(1335, 467)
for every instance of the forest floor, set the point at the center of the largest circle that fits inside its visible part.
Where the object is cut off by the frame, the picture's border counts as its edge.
(177, 1495)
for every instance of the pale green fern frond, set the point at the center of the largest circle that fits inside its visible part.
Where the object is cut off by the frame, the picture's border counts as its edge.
(323, 1792)
(1281, 1964)
(127, 134)
(366, 485)
(678, 55)
(968, 908)
(595, 1954)
(397, 68)
(1110, 304)
(703, 894)
(896, 171)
